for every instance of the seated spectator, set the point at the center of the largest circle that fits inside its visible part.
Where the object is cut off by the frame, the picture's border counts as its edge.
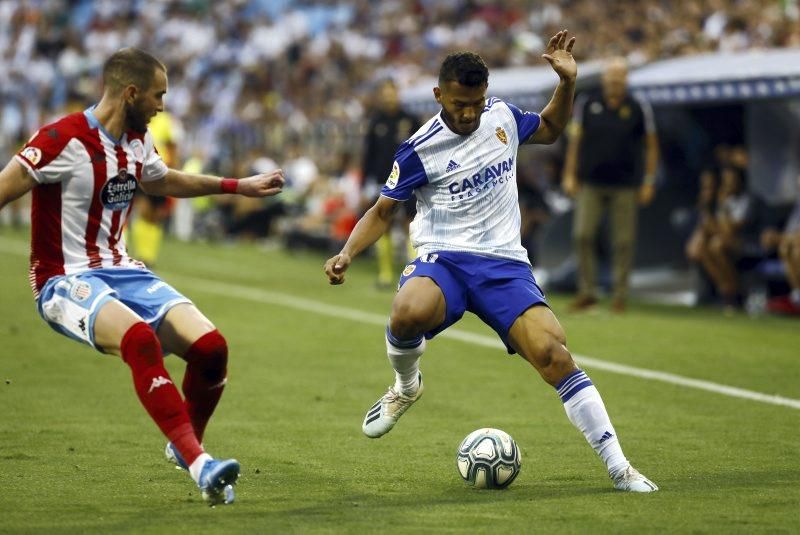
(331, 209)
(787, 244)
(705, 228)
(706, 221)
(731, 236)
(252, 219)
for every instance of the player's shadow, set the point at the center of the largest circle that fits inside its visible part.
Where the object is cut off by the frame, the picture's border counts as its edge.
(456, 495)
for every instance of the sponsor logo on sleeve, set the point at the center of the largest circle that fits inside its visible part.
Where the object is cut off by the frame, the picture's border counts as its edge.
(501, 135)
(32, 154)
(391, 182)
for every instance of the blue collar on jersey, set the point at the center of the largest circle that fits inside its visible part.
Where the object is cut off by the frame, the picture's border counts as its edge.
(94, 123)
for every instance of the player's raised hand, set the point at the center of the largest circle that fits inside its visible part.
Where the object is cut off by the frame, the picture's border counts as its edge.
(335, 268)
(263, 185)
(559, 55)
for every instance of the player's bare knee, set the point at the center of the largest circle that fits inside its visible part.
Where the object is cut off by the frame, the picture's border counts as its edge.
(408, 319)
(405, 326)
(551, 357)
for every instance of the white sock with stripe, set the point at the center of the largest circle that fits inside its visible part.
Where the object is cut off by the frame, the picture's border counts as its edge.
(586, 411)
(404, 356)
(197, 466)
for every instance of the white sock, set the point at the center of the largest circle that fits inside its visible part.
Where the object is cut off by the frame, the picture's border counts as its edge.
(404, 356)
(586, 411)
(197, 466)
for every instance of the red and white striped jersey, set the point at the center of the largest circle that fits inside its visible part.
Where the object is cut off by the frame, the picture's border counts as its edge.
(86, 183)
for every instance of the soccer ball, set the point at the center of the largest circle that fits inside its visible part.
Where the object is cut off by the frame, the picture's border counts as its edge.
(488, 459)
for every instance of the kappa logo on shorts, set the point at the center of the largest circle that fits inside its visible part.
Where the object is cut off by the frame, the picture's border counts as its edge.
(409, 270)
(32, 154)
(80, 291)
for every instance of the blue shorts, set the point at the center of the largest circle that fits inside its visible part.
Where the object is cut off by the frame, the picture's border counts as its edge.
(497, 290)
(69, 303)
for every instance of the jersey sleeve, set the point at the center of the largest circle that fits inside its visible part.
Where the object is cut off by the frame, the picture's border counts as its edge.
(153, 167)
(407, 174)
(527, 122)
(46, 156)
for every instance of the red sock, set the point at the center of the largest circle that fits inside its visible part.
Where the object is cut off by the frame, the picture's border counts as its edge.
(141, 351)
(204, 381)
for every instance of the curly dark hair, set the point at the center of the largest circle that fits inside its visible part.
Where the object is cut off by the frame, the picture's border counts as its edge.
(466, 68)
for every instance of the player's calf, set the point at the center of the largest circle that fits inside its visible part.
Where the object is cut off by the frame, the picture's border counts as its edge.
(205, 378)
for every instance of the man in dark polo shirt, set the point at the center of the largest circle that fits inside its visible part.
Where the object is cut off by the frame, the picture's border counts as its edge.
(610, 168)
(389, 126)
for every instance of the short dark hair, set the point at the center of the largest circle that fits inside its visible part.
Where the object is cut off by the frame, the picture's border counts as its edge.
(130, 66)
(466, 68)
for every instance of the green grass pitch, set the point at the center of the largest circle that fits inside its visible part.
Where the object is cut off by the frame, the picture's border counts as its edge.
(78, 453)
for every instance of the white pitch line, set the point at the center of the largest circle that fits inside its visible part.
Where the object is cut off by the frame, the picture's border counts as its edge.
(317, 307)
(248, 293)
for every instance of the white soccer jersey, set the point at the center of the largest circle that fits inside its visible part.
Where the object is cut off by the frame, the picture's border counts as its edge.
(86, 183)
(465, 185)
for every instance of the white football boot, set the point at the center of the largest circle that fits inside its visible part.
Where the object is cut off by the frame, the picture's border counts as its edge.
(632, 481)
(382, 416)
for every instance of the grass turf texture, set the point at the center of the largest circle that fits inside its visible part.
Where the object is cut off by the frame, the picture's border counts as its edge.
(78, 453)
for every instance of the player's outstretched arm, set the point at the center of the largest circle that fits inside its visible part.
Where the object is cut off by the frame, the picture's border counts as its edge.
(366, 232)
(179, 184)
(556, 114)
(14, 182)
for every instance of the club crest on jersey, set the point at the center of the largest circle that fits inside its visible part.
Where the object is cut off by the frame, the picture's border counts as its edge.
(391, 182)
(118, 192)
(409, 270)
(32, 154)
(501, 135)
(80, 291)
(137, 149)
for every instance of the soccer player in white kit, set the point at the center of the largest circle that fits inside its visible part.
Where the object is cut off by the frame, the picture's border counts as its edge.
(461, 165)
(84, 170)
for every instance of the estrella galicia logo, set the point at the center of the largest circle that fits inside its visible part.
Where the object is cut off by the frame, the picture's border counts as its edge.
(118, 192)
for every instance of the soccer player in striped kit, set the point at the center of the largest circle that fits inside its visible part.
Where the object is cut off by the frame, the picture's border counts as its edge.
(84, 170)
(461, 166)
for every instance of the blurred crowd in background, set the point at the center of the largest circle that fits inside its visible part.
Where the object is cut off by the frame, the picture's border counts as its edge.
(267, 75)
(256, 84)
